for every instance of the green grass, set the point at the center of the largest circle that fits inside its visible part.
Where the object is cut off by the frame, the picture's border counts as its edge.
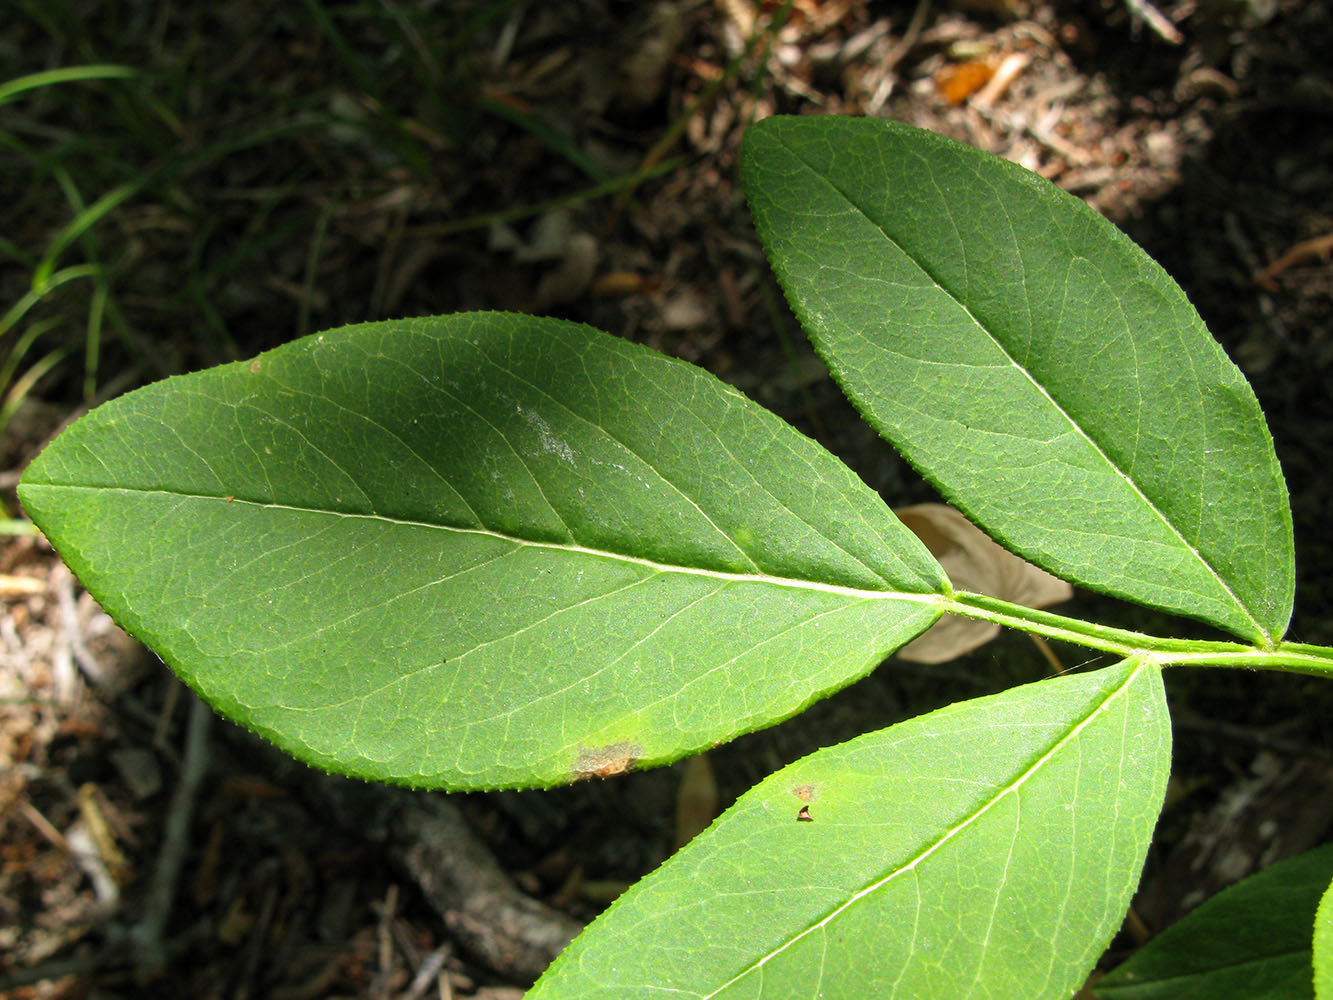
(187, 186)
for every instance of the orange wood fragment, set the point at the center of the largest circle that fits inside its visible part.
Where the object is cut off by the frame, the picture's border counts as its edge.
(958, 83)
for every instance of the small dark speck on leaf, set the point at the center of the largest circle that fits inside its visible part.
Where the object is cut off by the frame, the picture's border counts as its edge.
(803, 816)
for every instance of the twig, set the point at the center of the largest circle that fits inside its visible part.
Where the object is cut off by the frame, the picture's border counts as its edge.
(1046, 651)
(379, 986)
(1158, 21)
(73, 633)
(1241, 244)
(83, 848)
(428, 973)
(1009, 71)
(1308, 251)
(1044, 132)
(910, 36)
(257, 941)
(429, 840)
(55, 968)
(146, 935)
(511, 932)
(43, 825)
(887, 68)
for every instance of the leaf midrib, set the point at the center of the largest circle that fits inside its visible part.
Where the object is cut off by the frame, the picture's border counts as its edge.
(1077, 427)
(797, 583)
(534, 478)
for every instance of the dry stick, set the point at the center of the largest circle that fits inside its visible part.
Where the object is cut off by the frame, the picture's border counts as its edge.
(258, 938)
(146, 935)
(1045, 649)
(1010, 69)
(69, 623)
(427, 838)
(429, 973)
(56, 968)
(483, 910)
(1158, 21)
(388, 909)
(44, 826)
(1307, 251)
(910, 36)
(1241, 244)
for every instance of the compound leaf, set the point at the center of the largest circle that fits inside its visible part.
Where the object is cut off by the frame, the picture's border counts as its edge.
(989, 849)
(480, 550)
(1030, 360)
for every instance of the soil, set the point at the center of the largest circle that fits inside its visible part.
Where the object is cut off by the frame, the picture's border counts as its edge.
(1212, 148)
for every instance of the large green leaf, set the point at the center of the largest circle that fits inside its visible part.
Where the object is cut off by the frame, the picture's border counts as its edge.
(1249, 942)
(480, 550)
(989, 849)
(1047, 375)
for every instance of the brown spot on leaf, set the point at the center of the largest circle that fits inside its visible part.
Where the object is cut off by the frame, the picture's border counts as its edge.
(806, 793)
(803, 815)
(255, 366)
(603, 762)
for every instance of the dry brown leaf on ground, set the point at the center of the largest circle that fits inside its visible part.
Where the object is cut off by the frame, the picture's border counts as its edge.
(974, 562)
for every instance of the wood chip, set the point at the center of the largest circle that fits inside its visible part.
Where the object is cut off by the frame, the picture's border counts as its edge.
(1009, 70)
(20, 586)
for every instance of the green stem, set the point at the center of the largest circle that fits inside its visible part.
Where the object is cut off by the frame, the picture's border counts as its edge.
(1289, 657)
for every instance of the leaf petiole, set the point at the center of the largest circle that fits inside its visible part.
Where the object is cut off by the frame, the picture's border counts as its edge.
(1288, 657)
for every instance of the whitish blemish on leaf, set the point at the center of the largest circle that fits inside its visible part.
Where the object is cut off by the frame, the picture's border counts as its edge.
(255, 366)
(551, 444)
(606, 761)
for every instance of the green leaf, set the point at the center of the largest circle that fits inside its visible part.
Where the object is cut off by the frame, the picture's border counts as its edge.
(1249, 942)
(1030, 360)
(1322, 958)
(480, 550)
(989, 849)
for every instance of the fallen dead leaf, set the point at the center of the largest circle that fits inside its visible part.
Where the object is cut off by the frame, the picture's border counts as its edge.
(973, 562)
